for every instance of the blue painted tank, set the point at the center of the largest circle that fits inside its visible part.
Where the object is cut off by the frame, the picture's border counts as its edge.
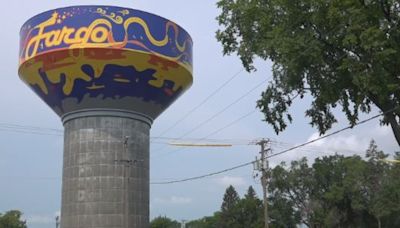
(103, 57)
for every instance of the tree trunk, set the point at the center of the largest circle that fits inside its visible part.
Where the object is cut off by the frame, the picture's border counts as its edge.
(395, 127)
(390, 116)
(379, 223)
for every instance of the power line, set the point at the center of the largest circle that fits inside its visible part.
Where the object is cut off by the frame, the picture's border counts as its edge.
(270, 156)
(29, 132)
(19, 126)
(230, 124)
(26, 129)
(333, 133)
(212, 133)
(308, 148)
(203, 176)
(201, 103)
(275, 154)
(220, 112)
(223, 110)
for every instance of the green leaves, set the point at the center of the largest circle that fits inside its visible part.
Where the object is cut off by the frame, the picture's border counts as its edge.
(12, 219)
(338, 191)
(342, 52)
(164, 222)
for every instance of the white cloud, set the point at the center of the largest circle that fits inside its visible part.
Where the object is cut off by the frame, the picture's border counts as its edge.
(42, 219)
(173, 200)
(353, 143)
(383, 130)
(231, 180)
(347, 143)
(357, 141)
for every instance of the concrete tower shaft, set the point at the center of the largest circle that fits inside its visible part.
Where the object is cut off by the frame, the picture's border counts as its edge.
(105, 171)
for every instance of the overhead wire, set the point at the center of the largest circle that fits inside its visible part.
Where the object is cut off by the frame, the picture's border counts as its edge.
(223, 109)
(308, 148)
(208, 135)
(29, 132)
(28, 129)
(275, 154)
(11, 125)
(185, 116)
(253, 161)
(198, 126)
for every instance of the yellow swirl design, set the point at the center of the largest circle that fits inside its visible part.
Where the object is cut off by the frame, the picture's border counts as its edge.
(82, 44)
(116, 19)
(94, 35)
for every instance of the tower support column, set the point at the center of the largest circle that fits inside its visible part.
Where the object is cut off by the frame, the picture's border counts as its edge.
(105, 170)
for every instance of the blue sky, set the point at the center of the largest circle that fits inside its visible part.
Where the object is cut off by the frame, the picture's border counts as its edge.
(30, 165)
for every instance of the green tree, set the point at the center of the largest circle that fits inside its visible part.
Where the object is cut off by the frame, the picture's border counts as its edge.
(164, 222)
(379, 194)
(228, 207)
(12, 219)
(290, 194)
(205, 222)
(337, 190)
(235, 212)
(392, 192)
(339, 52)
(249, 210)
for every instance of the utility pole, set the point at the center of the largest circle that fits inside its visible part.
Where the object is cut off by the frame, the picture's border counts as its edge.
(57, 221)
(183, 224)
(262, 166)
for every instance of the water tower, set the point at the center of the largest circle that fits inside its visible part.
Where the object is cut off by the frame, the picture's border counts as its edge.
(108, 72)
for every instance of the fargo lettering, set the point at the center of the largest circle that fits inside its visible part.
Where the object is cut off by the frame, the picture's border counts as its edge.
(97, 32)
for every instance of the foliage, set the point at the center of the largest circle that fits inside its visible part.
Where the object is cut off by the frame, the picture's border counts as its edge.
(249, 210)
(205, 222)
(333, 191)
(164, 222)
(337, 191)
(235, 212)
(341, 52)
(228, 208)
(289, 194)
(12, 219)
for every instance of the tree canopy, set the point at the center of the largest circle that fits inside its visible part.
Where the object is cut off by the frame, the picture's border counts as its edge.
(12, 219)
(164, 222)
(235, 212)
(339, 191)
(341, 52)
(331, 191)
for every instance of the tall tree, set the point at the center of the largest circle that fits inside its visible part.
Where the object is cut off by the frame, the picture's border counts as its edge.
(249, 210)
(392, 192)
(377, 190)
(290, 192)
(341, 52)
(228, 216)
(235, 212)
(12, 219)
